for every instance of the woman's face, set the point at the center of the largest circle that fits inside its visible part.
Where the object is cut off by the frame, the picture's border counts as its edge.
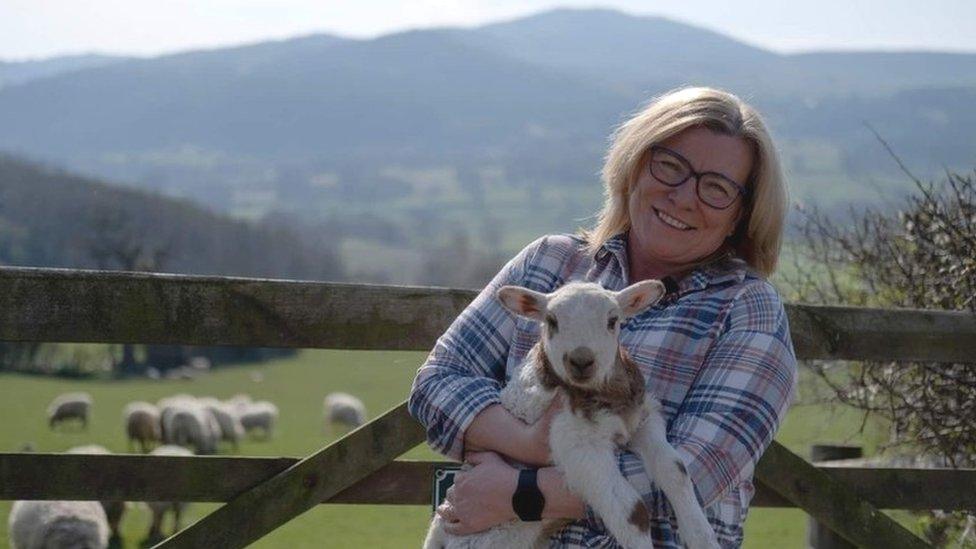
(671, 228)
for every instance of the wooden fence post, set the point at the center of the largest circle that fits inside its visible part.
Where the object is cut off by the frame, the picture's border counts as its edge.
(820, 536)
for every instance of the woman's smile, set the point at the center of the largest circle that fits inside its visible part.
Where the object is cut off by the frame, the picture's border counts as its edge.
(672, 221)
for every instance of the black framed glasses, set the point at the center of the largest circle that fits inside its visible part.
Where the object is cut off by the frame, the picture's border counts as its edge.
(713, 188)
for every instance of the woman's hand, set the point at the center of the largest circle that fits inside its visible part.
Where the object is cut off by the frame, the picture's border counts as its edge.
(537, 435)
(481, 497)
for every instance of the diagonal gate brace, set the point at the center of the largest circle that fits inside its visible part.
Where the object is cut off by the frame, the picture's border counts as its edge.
(831, 502)
(258, 511)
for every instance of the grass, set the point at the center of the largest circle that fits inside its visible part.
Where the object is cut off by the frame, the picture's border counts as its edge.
(297, 385)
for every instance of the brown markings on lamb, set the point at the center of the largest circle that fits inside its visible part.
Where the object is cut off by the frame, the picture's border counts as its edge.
(547, 376)
(623, 393)
(639, 517)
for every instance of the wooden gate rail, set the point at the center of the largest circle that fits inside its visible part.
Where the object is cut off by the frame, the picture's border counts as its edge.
(92, 306)
(48, 305)
(219, 479)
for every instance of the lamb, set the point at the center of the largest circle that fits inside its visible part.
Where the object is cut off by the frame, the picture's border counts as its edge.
(260, 415)
(342, 409)
(69, 406)
(113, 509)
(159, 508)
(578, 356)
(142, 425)
(47, 524)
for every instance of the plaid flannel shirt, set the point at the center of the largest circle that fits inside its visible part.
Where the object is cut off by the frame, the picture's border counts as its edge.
(717, 354)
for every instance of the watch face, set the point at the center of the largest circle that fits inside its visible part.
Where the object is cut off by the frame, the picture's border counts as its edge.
(443, 479)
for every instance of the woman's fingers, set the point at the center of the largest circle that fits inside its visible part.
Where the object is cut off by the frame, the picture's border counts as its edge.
(459, 528)
(446, 511)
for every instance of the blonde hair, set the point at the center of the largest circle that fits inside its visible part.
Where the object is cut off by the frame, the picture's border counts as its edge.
(759, 233)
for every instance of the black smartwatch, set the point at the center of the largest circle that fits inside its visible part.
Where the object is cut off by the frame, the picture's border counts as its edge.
(528, 501)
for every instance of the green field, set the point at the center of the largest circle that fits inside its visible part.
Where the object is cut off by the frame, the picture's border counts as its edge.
(297, 386)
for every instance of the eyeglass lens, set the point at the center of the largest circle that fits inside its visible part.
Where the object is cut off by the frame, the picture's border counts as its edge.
(713, 189)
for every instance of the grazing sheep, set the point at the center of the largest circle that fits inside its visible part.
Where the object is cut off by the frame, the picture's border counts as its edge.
(260, 415)
(228, 421)
(142, 424)
(159, 508)
(342, 409)
(579, 357)
(58, 524)
(69, 406)
(191, 424)
(239, 402)
(113, 509)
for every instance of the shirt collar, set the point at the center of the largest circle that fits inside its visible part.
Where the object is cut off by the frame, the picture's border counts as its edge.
(728, 269)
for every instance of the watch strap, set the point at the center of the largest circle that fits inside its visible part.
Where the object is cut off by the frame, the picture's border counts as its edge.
(528, 501)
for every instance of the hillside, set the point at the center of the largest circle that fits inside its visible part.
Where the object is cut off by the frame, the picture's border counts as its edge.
(51, 218)
(436, 132)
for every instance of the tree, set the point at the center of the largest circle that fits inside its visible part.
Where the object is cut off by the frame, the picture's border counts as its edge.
(117, 242)
(923, 256)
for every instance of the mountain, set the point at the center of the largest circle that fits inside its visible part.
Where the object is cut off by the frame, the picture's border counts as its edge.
(416, 91)
(641, 52)
(12, 73)
(307, 124)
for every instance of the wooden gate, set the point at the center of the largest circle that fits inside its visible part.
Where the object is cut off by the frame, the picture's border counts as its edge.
(261, 494)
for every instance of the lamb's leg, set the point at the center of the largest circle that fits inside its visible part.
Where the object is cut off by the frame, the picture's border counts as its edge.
(585, 454)
(436, 537)
(666, 469)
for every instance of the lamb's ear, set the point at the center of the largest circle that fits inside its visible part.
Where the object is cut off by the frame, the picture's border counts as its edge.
(637, 297)
(523, 301)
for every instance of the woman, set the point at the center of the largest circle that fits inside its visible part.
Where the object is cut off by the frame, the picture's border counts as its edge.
(695, 197)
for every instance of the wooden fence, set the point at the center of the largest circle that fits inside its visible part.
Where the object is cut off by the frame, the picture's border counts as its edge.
(261, 494)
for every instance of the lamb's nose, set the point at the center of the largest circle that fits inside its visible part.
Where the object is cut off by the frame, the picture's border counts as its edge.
(580, 362)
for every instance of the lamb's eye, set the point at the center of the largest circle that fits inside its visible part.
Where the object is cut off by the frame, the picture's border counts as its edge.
(551, 322)
(612, 323)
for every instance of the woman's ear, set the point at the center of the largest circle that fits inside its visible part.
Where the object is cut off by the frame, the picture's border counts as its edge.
(523, 301)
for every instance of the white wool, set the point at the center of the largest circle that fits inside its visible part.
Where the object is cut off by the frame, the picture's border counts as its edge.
(186, 422)
(260, 415)
(343, 409)
(46, 524)
(69, 406)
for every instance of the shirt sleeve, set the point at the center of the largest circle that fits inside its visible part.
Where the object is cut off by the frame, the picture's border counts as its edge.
(465, 371)
(731, 413)
(733, 409)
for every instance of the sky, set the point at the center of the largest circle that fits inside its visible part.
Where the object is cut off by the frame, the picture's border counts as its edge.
(34, 29)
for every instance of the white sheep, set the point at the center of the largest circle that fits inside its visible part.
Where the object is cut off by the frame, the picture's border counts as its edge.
(159, 508)
(578, 355)
(228, 420)
(239, 402)
(56, 524)
(186, 422)
(342, 409)
(69, 406)
(142, 425)
(260, 416)
(113, 509)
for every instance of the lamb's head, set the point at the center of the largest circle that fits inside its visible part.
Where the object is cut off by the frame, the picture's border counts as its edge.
(581, 324)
